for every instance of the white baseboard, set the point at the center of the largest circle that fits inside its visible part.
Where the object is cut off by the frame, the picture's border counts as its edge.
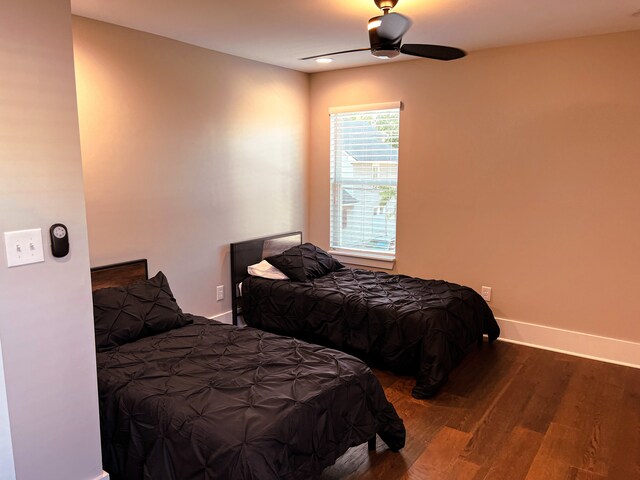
(224, 317)
(102, 476)
(605, 349)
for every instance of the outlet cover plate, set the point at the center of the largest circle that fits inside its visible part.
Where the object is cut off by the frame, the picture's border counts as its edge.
(486, 293)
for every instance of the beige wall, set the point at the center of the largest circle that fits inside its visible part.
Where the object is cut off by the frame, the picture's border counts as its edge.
(519, 169)
(184, 151)
(46, 318)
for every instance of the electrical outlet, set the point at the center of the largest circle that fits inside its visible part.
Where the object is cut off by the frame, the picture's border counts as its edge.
(486, 293)
(220, 292)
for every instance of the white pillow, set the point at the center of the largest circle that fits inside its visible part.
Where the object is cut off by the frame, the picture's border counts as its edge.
(265, 270)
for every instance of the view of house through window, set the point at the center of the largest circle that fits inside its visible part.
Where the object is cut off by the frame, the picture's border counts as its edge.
(364, 179)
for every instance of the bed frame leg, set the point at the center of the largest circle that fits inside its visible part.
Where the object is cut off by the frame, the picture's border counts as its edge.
(372, 444)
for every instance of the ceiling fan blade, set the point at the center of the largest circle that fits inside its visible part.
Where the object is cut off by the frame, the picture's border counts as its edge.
(437, 52)
(336, 53)
(392, 27)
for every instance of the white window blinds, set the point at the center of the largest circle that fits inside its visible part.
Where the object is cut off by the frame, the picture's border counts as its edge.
(364, 178)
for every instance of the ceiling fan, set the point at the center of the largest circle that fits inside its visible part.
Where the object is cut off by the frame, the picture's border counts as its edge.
(385, 37)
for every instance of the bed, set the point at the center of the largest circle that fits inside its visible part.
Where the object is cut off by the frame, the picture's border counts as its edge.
(184, 397)
(401, 323)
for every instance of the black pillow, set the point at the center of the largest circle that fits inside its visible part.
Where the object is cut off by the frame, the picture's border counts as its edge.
(125, 314)
(304, 262)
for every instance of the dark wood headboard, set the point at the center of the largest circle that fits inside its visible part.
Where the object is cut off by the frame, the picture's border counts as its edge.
(119, 274)
(253, 251)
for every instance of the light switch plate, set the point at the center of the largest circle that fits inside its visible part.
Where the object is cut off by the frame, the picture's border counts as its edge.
(24, 247)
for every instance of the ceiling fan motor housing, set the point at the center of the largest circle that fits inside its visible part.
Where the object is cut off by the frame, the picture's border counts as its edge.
(385, 52)
(383, 47)
(386, 4)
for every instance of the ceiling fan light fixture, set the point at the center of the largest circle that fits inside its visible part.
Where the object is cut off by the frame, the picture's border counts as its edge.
(324, 60)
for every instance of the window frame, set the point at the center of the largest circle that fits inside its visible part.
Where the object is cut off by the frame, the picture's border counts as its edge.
(355, 256)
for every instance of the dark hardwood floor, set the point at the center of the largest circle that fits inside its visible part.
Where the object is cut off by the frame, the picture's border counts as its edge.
(512, 412)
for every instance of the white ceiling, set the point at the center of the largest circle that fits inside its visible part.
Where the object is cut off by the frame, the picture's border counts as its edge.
(280, 32)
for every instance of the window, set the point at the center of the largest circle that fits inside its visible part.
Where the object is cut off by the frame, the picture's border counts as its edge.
(364, 178)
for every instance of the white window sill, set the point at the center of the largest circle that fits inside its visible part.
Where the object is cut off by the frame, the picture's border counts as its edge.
(364, 259)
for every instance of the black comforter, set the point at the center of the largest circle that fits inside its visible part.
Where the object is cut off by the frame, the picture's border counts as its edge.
(212, 401)
(406, 324)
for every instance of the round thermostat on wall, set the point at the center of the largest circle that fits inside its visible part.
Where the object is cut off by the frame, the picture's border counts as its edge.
(59, 240)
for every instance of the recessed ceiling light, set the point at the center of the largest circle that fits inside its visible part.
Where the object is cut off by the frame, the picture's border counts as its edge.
(324, 60)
